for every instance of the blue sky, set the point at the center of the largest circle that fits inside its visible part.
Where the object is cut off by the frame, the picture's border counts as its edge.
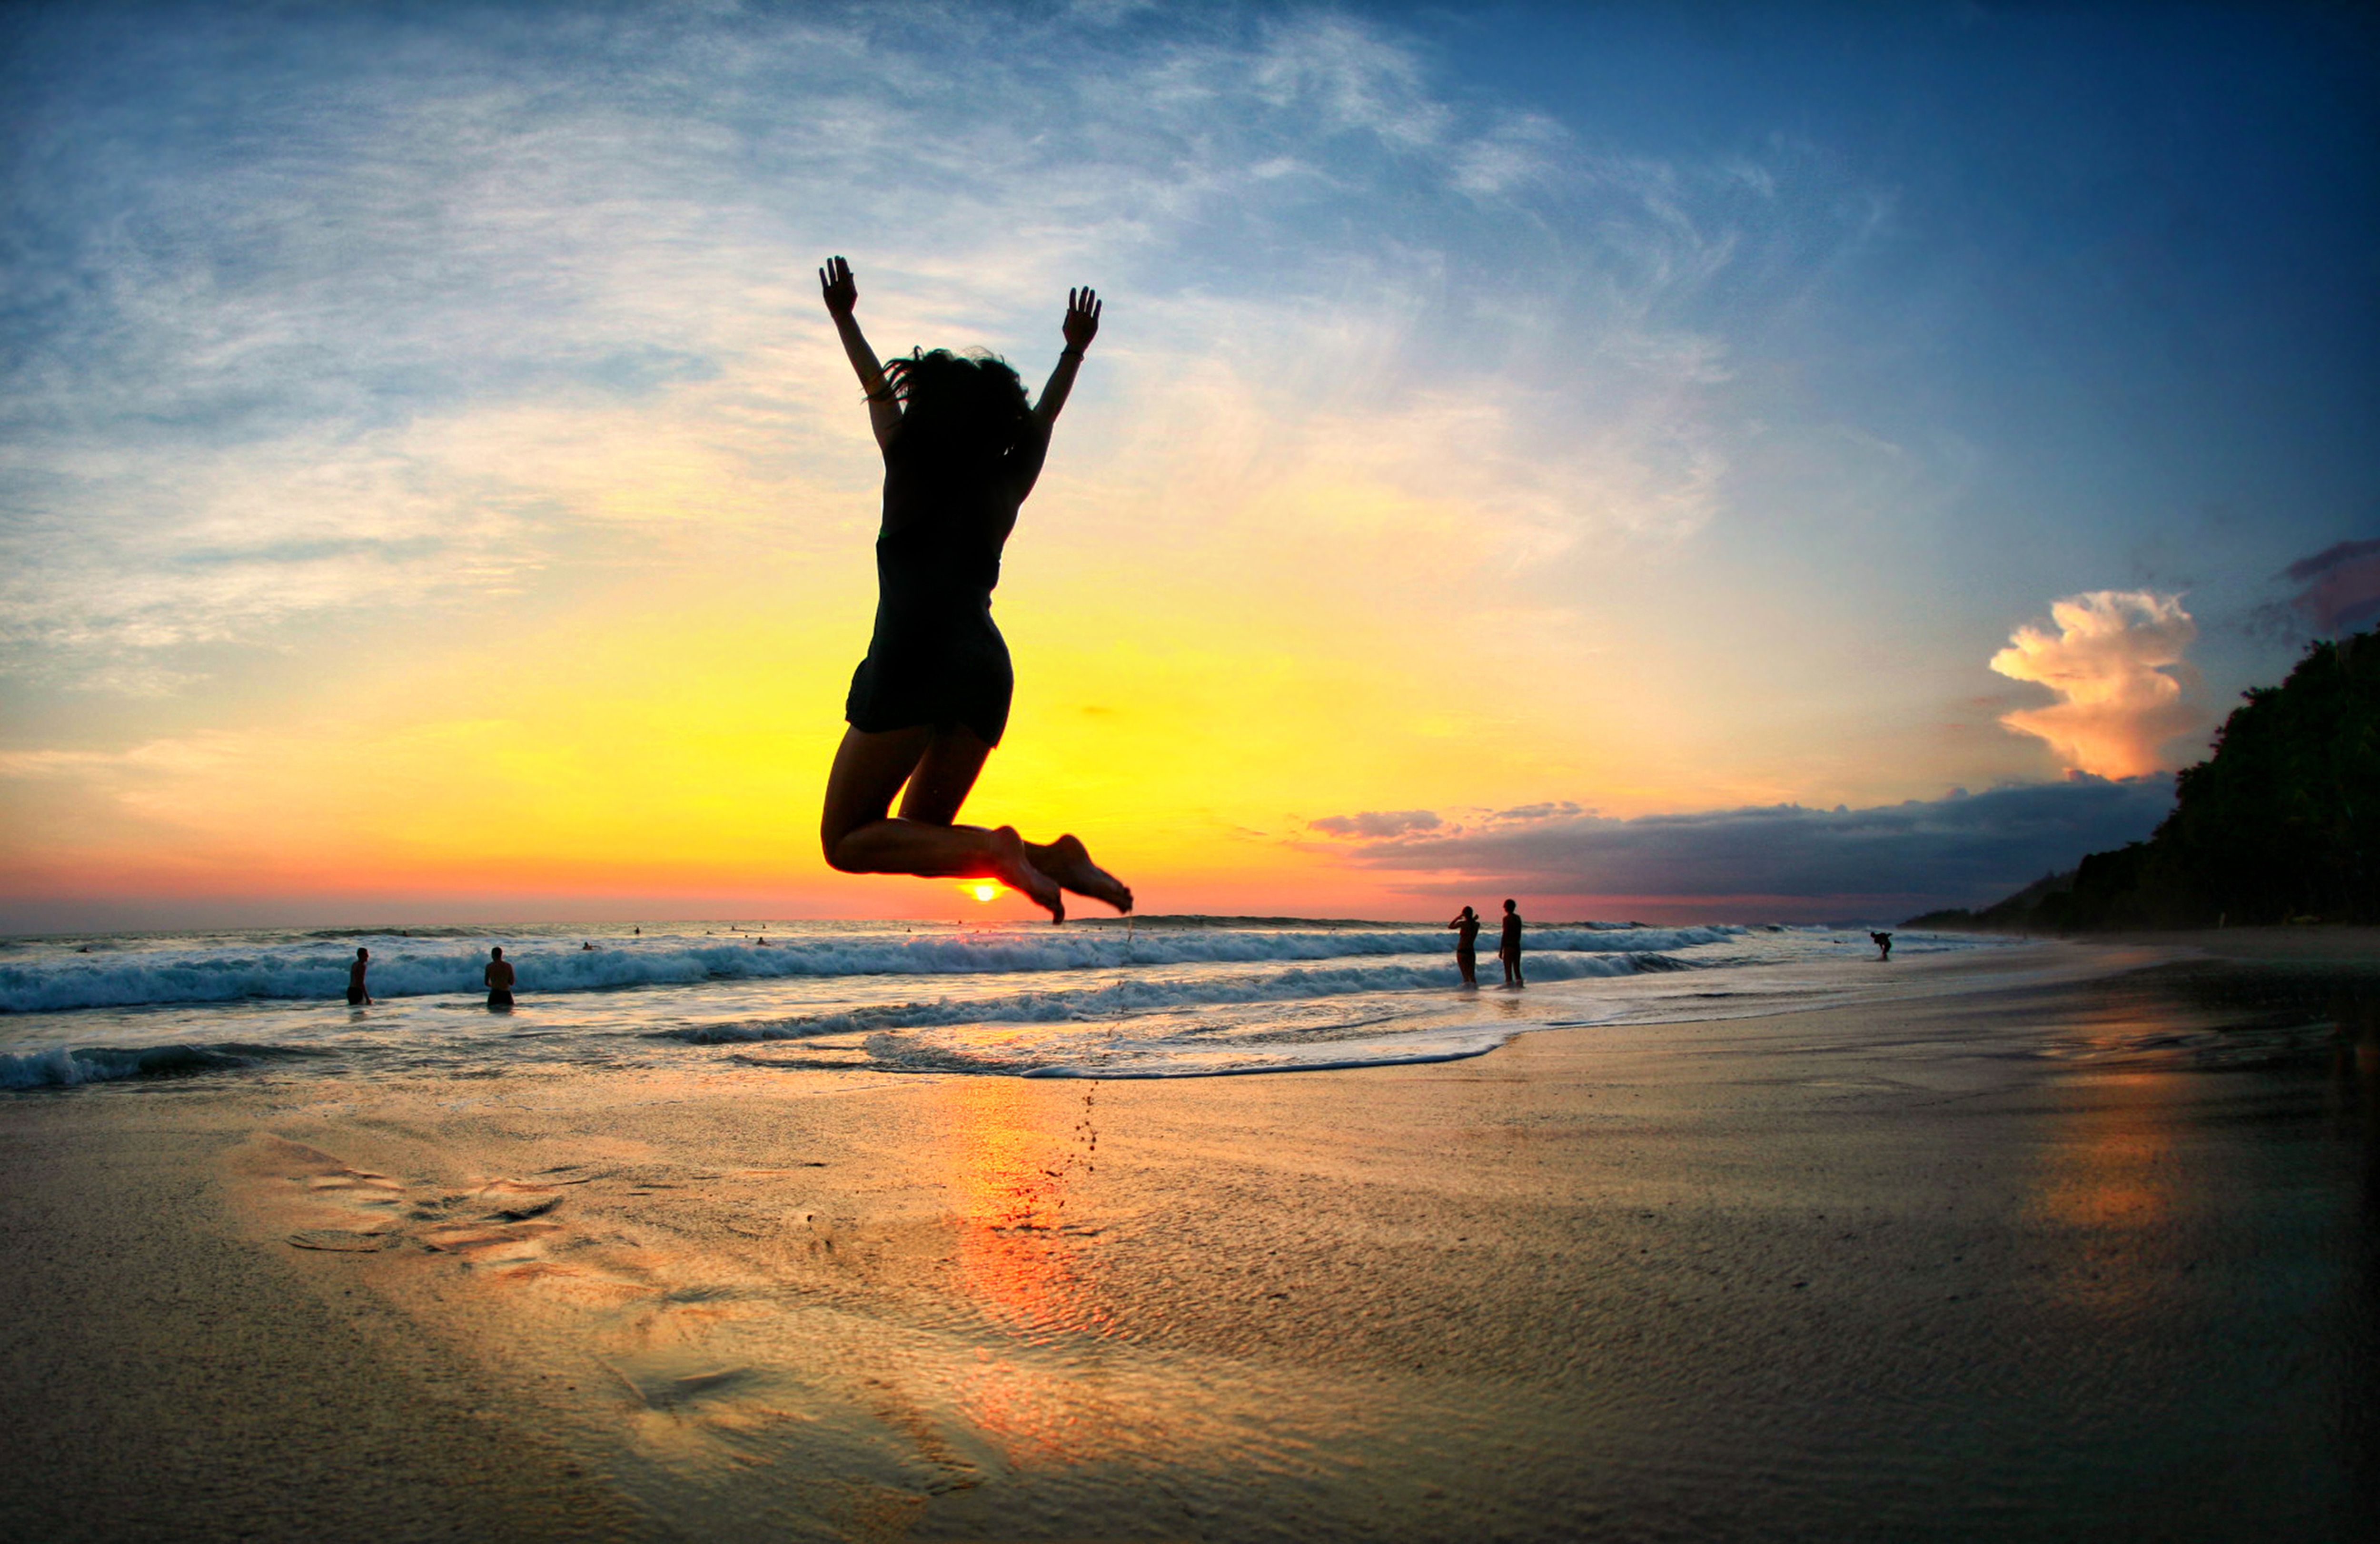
(1654, 410)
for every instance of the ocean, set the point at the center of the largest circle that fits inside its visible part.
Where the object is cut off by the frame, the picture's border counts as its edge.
(1154, 997)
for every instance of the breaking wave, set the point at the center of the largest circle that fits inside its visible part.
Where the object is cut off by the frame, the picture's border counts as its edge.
(406, 967)
(1132, 996)
(61, 1067)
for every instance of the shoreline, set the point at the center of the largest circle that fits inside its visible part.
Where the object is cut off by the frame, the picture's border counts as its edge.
(1801, 1274)
(894, 1003)
(2323, 944)
(2313, 944)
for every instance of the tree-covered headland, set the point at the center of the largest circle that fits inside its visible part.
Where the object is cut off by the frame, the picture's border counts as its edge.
(2281, 823)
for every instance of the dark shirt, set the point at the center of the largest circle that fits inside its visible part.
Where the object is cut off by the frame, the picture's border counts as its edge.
(946, 518)
(1511, 944)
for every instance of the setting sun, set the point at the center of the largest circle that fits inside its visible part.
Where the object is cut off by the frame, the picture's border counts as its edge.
(983, 890)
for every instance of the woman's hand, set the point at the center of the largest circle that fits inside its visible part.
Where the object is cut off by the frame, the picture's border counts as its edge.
(1082, 316)
(841, 294)
(1081, 326)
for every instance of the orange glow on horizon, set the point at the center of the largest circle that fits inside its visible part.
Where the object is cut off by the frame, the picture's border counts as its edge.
(660, 747)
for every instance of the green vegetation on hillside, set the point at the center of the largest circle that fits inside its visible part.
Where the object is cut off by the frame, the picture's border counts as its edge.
(2281, 823)
(2019, 913)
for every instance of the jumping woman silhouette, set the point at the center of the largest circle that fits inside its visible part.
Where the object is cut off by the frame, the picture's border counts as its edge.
(961, 449)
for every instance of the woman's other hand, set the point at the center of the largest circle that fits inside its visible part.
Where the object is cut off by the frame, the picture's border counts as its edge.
(1082, 315)
(841, 294)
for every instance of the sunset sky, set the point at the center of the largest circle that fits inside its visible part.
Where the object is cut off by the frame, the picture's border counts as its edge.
(1664, 461)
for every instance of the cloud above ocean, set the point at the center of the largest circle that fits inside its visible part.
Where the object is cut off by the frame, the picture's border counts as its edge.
(1375, 824)
(2338, 587)
(399, 315)
(2115, 662)
(1784, 860)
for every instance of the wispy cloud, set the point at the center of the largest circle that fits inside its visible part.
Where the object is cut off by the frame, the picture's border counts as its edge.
(2338, 587)
(385, 313)
(1376, 824)
(2116, 664)
(1784, 859)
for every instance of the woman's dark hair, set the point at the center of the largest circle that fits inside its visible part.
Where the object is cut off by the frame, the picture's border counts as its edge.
(967, 404)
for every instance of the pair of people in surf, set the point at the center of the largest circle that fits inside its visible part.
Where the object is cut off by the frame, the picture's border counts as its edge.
(961, 448)
(1508, 946)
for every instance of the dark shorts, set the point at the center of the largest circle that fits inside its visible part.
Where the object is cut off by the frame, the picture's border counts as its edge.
(500, 999)
(356, 996)
(960, 679)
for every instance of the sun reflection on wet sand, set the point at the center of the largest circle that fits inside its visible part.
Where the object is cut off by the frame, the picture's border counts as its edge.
(2108, 1182)
(2112, 1167)
(2111, 1183)
(2131, 1177)
(1024, 1260)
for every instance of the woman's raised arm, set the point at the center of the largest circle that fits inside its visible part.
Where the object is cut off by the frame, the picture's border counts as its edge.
(842, 295)
(1082, 325)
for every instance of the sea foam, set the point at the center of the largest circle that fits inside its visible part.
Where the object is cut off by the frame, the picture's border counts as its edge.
(411, 968)
(1140, 995)
(61, 1067)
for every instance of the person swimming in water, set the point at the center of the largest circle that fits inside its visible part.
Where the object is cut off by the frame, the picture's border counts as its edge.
(961, 449)
(499, 975)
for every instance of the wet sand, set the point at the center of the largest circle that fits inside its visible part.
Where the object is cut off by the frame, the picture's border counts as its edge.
(2319, 945)
(2098, 1260)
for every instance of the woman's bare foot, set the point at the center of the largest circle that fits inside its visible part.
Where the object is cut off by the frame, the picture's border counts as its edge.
(1067, 861)
(1013, 864)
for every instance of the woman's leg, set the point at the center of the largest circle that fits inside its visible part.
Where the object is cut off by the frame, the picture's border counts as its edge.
(860, 837)
(945, 777)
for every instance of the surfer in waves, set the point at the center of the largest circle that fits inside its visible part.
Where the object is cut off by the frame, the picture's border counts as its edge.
(961, 449)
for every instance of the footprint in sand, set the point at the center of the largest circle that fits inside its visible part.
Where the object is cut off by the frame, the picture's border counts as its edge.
(494, 1223)
(350, 1240)
(511, 1201)
(667, 1382)
(700, 1362)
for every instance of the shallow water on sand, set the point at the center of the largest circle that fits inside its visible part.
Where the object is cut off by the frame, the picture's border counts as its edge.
(2095, 1257)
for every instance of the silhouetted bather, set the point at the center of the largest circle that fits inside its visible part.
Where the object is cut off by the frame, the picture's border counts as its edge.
(1883, 943)
(499, 977)
(961, 449)
(357, 995)
(1466, 946)
(1507, 948)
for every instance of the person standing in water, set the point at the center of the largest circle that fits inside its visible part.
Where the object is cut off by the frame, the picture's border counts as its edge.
(1507, 949)
(499, 976)
(961, 449)
(1883, 943)
(357, 995)
(1466, 946)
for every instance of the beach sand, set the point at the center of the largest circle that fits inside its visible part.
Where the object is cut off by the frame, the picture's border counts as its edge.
(2311, 945)
(2090, 1260)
